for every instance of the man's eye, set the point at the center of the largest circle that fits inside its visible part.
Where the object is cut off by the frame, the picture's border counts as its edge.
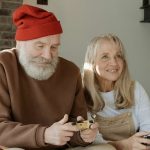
(54, 47)
(40, 46)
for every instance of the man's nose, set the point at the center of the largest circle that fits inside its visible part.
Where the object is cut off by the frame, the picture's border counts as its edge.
(47, 54)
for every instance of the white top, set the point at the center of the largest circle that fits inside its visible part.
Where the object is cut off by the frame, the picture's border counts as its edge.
(140, 111)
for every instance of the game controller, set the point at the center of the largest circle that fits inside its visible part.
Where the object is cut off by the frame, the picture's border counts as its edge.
(83, 125)
(146, 137)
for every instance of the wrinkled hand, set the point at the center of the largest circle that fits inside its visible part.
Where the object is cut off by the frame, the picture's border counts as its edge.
(135, 142)
(88, 135)
(60, 132)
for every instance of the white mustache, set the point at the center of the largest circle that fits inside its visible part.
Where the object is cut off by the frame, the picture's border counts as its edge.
(41, 60)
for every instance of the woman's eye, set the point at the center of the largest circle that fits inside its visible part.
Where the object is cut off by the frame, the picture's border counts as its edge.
(105, 57)
(119, 56)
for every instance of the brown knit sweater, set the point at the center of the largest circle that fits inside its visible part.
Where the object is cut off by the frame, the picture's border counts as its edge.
(28, 106)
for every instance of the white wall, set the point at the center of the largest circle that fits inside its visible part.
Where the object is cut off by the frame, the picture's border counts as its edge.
(84, 19)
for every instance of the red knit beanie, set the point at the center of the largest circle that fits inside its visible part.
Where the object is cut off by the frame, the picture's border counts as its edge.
(33, 22)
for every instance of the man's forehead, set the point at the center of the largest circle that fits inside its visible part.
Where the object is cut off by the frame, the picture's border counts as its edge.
(47, 39)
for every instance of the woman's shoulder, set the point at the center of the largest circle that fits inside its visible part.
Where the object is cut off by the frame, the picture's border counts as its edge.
(140, 94)
(138, 87)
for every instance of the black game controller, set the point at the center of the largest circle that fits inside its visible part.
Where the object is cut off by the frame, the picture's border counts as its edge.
(146, 137)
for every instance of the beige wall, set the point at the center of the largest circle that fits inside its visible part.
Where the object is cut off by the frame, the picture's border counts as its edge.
(83, 19)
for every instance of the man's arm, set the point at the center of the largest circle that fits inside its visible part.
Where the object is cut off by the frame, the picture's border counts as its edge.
(16, 134)
(79, 109)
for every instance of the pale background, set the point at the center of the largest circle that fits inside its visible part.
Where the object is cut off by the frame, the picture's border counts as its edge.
(83, 19)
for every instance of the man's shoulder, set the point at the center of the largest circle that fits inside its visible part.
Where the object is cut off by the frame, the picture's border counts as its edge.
(68, 64)
(7, 54)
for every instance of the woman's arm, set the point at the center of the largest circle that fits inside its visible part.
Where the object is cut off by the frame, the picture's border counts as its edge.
(135, 142)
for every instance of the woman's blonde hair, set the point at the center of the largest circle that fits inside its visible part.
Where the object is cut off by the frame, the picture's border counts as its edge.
(124, 87)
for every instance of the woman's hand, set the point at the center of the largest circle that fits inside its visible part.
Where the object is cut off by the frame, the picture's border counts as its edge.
(135, 142)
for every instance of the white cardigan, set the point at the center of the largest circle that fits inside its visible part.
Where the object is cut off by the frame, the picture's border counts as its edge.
(140, 111)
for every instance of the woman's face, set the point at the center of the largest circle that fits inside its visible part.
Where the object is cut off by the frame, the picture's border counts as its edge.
(109, 62)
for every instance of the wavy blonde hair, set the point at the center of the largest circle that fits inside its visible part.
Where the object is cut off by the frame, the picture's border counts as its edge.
(123, 87)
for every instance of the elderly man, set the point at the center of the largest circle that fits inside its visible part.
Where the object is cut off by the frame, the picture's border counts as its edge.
(40, 93)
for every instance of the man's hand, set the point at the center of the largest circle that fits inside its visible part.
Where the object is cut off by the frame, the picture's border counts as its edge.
(88, 135)
(60, 132)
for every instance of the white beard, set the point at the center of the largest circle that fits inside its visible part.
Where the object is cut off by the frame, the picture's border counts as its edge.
(34, 71)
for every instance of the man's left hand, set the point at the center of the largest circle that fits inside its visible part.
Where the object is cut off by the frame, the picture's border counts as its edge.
(88, 135)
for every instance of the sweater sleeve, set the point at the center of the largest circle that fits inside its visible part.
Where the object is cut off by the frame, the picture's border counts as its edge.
(142, 109)
(79, 109)
(16, 134)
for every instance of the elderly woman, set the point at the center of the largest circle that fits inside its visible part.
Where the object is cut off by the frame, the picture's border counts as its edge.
(120, 105)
